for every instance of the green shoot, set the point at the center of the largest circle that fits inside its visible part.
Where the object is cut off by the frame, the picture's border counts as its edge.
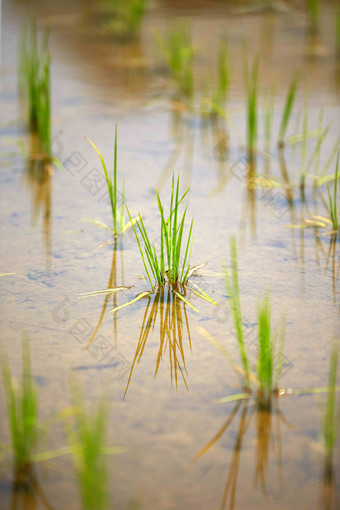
(268, 117)
(22, 406)
(87, 436)
(233, 290)
(332, 415)
(337, 30)
(290, 98)
(304, 147)
(177, 50)
(269, 363)
(34, 89)
(269, 352)
(251, 91)
(313, 13)
(127, 16)
(171, 243)
(333, 200)
(223, 78)
(119, 224)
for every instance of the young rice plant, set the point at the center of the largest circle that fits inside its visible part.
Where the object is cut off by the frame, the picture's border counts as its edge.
(168, 263)
(34, 88)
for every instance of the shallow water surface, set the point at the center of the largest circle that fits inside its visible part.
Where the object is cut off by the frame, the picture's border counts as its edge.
(162, 376)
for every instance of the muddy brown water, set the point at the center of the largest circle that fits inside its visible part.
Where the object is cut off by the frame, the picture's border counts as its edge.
(265, 460)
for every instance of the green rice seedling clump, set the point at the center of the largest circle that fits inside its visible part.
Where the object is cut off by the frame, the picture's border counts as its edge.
(127, 16)
(87, 437)
(167, 264)
(269, 363)
(313, 13)
(22, 407)
(251, 91)
(34, 89)
(177, 50)
(223, 76)
(269, 352)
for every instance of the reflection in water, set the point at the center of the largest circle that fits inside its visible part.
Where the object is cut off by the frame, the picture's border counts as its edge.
(27, 493)
(172, 320)
(249, 207)
(112, 290)
(38, 179)
(267, 417)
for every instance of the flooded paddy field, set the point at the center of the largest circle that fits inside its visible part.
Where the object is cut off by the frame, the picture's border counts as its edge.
(205, 409)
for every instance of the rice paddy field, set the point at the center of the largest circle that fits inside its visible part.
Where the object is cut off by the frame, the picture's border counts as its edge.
(170, 269)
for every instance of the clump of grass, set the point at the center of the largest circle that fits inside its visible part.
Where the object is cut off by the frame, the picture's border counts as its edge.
(87, 437)
(178, 52)
(333, 200)
(287, 111)
(127, 16)
(22, 407)
(34, 88)
(223, 75)
(265, 379)
(251, 91)
(172, 245)
(332, 415)
(313, 14)
(119, 223)
(337, 30)
(269, 363)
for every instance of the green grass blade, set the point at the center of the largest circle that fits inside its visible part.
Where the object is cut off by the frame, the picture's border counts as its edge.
(288, 108)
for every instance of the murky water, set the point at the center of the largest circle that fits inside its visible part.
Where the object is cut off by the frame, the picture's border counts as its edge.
(153, 351)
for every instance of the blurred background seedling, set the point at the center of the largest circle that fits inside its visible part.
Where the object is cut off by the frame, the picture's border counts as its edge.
(87, 432)
(126, 17)
(178, 52)
(34, 92)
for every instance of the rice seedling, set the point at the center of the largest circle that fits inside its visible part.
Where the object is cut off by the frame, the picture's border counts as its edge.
(313, 14)
(223, 76)
(265, 378)
(333, 200)
(268, 117)
(304, 148)
(171, 244)
(287, 111)
(127, 16)
(119, 224)
(178, 52)
(331, 422)
(87, 437)
(251, 91)
(22, 407)
(337, 30)
(213, 103)
(233, 289)
(34, 89)
(269, 363)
